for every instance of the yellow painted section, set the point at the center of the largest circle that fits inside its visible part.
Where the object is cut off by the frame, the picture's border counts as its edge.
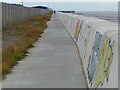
(76, 30)
(105, 60)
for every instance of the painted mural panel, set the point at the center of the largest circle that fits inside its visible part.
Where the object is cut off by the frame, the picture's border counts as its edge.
(106, 58)
(93, 59)
(86, 39)
(81, 22)
(76, 29)
(81, 39)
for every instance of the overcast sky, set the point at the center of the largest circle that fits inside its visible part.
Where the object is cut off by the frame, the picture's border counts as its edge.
(105, 5)
(61, 0)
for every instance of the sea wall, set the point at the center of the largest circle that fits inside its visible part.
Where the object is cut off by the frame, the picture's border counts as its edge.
(97, 41)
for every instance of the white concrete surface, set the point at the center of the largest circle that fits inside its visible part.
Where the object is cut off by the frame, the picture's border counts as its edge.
(53, 63)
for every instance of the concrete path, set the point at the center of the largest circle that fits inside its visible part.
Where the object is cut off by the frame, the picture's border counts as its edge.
(53, 62)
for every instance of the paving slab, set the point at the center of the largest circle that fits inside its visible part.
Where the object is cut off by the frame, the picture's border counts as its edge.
(53, 63)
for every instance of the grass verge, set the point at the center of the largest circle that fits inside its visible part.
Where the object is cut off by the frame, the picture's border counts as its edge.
(31, 31)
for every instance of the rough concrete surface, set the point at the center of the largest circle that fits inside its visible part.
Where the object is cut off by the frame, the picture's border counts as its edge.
(53, 62)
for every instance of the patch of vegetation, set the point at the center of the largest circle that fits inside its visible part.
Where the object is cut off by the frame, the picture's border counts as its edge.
(31, 31)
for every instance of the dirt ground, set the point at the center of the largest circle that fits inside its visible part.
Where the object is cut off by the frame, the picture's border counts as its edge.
(9, 37)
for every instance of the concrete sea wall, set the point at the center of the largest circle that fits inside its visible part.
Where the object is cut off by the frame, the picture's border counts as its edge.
(97, 41)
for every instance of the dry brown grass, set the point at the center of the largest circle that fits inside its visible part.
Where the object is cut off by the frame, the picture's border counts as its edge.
(31, 31)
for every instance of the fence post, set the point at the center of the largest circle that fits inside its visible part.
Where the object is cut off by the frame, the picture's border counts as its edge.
(14, 14)
(0, 16)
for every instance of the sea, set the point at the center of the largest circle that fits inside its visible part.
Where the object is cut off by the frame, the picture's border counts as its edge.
(106, 15)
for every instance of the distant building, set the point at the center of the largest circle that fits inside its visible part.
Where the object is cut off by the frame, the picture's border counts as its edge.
(44, 10)
(41, 7)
